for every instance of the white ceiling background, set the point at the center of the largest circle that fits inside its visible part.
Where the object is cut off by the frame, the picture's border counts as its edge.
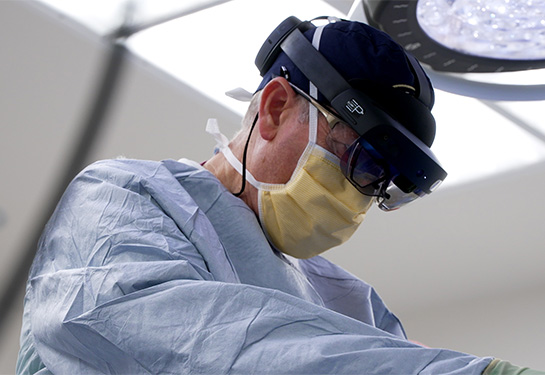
(463, 269)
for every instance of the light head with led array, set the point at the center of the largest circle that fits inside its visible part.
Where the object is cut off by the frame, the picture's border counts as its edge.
(410, 168)
(399, 18)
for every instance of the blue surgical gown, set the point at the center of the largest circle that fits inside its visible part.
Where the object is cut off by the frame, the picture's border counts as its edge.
(154, 267)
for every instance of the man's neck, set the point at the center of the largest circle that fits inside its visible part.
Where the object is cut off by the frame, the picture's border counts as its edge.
(232, 180)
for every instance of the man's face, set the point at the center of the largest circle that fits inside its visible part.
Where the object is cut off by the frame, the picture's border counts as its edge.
(294, 138)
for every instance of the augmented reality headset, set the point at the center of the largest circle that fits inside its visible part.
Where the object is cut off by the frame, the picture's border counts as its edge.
(404, 167)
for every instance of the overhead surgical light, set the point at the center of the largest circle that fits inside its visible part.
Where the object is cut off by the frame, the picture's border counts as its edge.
(467, 36)
(498, 29)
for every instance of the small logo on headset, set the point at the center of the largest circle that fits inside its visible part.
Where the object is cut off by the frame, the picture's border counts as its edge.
(354, 107)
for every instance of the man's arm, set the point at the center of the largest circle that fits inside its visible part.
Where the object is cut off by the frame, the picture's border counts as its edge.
(131, 278)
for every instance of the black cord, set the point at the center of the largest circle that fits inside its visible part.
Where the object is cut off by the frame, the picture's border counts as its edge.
(244, 157)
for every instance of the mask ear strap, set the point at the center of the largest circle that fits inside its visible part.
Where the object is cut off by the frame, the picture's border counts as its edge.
(222, 145)
(244, 158)
(213, 129)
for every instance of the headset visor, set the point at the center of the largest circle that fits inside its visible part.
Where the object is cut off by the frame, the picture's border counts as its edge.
(365, 168)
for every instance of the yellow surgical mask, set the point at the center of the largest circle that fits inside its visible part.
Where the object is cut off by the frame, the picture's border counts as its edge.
(315, 210)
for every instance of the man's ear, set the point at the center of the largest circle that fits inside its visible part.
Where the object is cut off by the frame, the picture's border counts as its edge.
(277, 97)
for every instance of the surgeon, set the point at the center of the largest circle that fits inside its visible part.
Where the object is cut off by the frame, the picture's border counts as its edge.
(211, 268)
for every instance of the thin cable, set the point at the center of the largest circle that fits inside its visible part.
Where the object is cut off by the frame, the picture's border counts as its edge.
(244, 157)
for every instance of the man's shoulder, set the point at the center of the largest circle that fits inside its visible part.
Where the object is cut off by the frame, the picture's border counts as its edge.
(122, 204)
(135, 166)
(123, 170)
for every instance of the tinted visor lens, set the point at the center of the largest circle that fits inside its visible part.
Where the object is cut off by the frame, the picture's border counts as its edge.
(364, 168)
